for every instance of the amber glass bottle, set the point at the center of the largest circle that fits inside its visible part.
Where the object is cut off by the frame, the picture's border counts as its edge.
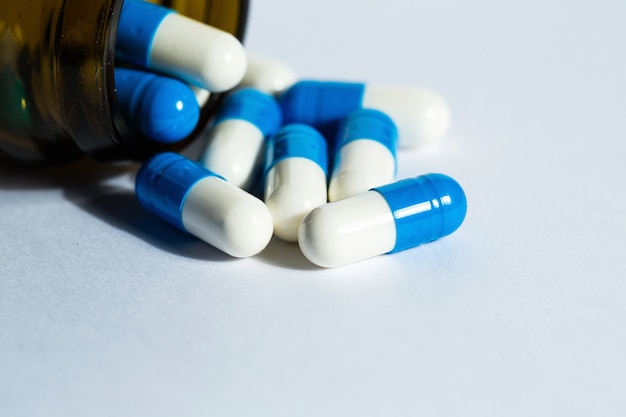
(57, 91)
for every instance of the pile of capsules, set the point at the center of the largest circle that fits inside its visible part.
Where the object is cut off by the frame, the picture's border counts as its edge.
(324, 152)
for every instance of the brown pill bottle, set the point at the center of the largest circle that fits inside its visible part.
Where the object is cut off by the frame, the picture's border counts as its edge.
(57, 89)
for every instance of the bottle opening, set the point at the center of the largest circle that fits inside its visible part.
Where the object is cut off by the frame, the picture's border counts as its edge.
(58, 59)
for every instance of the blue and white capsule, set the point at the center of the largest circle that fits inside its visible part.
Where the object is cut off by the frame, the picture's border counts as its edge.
(365, 154)
(161, 108)
(197, 201)
(157, 38)
(236, 141)
(386, 219)
(422, 116)
(295, 177)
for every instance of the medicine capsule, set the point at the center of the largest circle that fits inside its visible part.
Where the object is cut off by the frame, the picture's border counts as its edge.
(203, 204)
(421, 116)
(162, 108)
(157, 38)
(386, 219)
(365, 155)
(268, 75)
(236, 141)
(295, 178)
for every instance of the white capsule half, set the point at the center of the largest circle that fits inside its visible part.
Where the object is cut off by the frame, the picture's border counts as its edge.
(421, 115)
(198, 53)
(293, 188)
(295, 179)
(202, 95)
(268, 75)
(348, 230)
(364, 164)
(234, 150)
(195, 200)
(366, 154)
(227, 217)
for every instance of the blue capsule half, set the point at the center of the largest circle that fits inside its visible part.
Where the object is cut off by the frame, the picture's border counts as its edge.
(139, 23)
(424, 208)
(161, 108)
(297, 141)
(321, 104)
(368, 124)
(253, 106)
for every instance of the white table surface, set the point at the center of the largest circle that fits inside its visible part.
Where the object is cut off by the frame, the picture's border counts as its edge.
(105, 311)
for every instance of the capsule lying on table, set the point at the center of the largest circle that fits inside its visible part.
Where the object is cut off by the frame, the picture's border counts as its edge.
(421, 115)
(386, 219)
(197, 201)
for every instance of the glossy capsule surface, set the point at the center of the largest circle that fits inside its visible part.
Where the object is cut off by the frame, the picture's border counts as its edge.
(386, 219)
(161, 108)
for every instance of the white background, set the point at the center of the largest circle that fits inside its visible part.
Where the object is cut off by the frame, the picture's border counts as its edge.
(105, 311)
